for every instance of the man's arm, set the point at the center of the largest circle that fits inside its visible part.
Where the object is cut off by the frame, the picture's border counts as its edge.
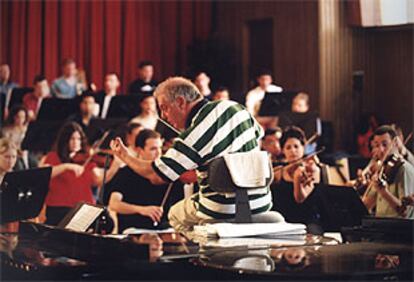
(116, 204)
(141, 167)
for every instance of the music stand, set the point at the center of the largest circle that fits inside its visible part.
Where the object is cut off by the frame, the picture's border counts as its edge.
(97, 127)
(57, 109)
(17, 94)
(342, 207)
(124, 106)
(275, 102)
(41, 135)
(81, 217)
(23, 193)
(306, 121)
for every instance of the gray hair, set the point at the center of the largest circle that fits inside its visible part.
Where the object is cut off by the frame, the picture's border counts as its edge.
(174, 87)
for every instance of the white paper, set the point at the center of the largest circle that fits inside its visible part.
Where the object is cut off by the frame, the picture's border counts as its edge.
(83, 218)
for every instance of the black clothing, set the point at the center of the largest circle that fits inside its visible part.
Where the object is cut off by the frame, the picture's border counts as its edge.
(284, 202)
(140, 87)
(78, 119)
(138, 190)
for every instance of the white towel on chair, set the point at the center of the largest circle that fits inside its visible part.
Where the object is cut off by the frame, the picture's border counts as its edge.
(248, 169)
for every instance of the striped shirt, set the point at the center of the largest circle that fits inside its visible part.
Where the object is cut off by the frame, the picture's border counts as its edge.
(215, 129)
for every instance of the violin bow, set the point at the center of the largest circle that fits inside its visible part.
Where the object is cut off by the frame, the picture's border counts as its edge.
(305, 158)
(96, 146)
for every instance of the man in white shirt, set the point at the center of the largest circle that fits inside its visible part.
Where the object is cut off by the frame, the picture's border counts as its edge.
(103, 98)
(255, 96)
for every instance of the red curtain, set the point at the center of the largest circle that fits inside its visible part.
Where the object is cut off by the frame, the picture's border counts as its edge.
(102, 36)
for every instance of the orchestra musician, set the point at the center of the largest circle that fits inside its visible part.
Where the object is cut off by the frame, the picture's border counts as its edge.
(209, 130)
(386, 196)
(71, 182)
(134, 198)
(294, 193)
(8, 158)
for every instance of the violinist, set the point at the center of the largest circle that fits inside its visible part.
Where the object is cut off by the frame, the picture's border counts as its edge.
(386, 195)
(71, 182)
(401, 144)
(294, 193)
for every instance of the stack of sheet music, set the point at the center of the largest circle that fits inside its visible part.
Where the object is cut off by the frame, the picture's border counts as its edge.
(267, 230)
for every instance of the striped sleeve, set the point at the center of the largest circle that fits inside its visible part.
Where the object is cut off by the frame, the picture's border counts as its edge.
(177, 160)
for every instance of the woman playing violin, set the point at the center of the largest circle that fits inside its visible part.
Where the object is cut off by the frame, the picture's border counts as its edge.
(294, 191)
(71, 183)
(386, 195)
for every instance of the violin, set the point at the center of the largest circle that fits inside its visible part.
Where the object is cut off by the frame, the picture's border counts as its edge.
(82, 158)
(92, 154)
(390, 168)
(292, 166)
(387, 169)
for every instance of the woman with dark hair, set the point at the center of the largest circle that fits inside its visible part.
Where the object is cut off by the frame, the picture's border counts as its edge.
(294, 194)
(70, 183)
(16, 125)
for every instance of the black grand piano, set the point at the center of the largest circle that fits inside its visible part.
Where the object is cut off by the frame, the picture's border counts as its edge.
(40, 252)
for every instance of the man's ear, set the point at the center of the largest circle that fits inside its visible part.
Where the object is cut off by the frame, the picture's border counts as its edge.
(180, 102)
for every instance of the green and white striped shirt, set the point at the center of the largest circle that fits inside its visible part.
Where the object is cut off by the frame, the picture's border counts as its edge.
(218, 128)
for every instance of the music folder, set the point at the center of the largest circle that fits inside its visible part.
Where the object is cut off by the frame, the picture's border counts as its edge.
(124, 106)
(342, 206)
(308, 122)
(23, 193)
(57, 109)
(41, 135)
(81, 217)
(274, 103)
(97, 127)
(166, 130)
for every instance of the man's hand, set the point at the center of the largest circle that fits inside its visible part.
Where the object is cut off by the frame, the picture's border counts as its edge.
(153, 212)
(118, 148)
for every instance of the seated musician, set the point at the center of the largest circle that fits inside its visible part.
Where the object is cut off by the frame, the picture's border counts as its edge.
(209, 130)
(134, 198)
(8, 158)
(401, 144)
(386, 196)
(294, 193)
(87, 111)
(271, 144)
(70, 182)
(148, 116)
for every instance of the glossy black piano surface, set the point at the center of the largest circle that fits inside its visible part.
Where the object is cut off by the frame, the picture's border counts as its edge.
(39, 252)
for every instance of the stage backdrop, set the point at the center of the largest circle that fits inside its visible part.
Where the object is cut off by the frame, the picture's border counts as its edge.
(101, 36)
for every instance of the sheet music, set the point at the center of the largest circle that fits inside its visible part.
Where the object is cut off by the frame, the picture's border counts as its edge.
(133, 230)
(272, 230)
(83, 218)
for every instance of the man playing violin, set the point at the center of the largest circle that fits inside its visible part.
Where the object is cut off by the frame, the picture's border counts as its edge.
(392, 180)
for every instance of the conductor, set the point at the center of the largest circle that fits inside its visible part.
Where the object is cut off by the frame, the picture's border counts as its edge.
(208, 130)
